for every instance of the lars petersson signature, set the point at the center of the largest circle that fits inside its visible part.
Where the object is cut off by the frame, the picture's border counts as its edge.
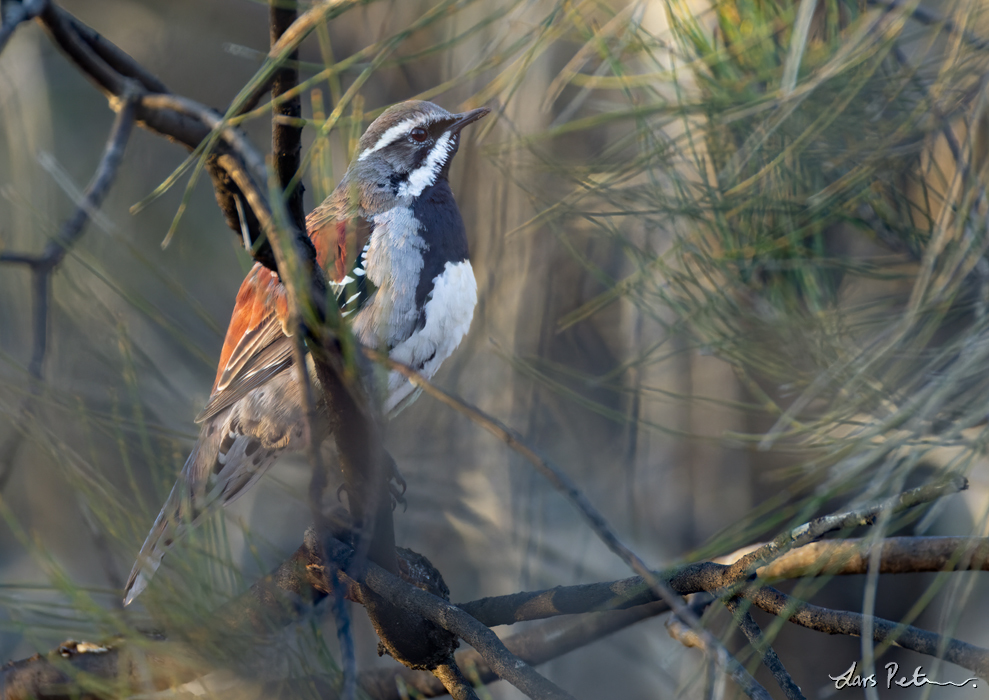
(850, 679)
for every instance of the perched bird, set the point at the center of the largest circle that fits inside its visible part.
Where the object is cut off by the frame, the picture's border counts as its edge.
(410, 291)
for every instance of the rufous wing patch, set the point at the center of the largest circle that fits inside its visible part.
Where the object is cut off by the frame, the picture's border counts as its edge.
(260, 294)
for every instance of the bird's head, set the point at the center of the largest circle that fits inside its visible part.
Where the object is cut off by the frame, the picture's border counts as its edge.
(405, 150)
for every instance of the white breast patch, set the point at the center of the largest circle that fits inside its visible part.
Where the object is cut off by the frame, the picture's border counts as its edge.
(449, 310)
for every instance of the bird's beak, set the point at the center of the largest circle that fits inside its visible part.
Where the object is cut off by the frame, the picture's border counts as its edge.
(465, 118)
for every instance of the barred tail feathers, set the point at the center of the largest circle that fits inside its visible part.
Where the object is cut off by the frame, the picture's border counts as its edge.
(183, 505)
(158, 541)
(218, 471)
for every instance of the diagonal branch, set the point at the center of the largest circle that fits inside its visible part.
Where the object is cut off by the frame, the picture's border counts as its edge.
(830, 621)
(182, 120)
(866, 515)
(454, 682)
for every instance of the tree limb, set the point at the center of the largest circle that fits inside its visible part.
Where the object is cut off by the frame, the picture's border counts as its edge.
(866, 515)
(830, 621)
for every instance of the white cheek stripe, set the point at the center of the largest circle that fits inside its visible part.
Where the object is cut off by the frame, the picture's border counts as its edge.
(425, 175)
(394, 133)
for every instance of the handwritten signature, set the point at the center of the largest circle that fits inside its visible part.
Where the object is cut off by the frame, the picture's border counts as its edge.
(850, 679)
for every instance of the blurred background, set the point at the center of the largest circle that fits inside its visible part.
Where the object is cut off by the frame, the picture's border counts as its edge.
(732, 270)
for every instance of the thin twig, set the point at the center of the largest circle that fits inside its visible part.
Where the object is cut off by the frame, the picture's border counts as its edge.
(758, 641)
(43, 265)
(214, 121)
(114, 57)
(453, 680)
(59, 24)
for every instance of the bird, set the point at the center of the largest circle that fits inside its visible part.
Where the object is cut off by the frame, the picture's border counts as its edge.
(411, 291)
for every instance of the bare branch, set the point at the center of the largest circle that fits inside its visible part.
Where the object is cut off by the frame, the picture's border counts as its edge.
(453, 680)
(535, 646)
(808, 532)
(115, 58)
(832, 558)
(59, 24)
(180, 120)
(213, 120)
(451, 618)
(900, 555)
(829, 621)
(562, 600)
(38, 677)
(307, 577)
(286, 139)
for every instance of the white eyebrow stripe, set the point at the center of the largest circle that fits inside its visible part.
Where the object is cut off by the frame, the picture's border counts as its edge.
(425, 175)
(395, 133)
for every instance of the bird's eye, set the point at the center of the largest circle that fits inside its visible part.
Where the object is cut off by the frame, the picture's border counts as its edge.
(419, 134)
